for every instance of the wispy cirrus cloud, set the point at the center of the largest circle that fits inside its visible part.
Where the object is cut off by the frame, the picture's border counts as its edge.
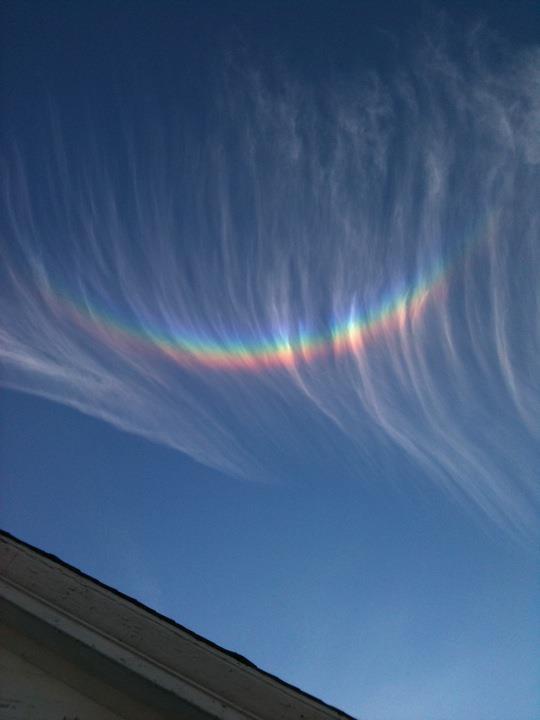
(362, 259)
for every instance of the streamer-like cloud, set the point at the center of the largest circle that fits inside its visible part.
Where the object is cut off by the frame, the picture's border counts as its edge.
(360, 262)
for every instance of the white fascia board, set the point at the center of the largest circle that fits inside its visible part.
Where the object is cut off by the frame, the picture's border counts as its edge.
(148, 644)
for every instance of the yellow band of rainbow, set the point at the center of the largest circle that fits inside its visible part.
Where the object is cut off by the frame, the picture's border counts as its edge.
(285, 351)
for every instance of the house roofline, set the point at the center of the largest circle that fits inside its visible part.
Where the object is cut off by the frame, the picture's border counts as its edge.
(236, 663)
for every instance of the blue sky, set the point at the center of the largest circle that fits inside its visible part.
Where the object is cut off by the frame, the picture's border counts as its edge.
(363, 527)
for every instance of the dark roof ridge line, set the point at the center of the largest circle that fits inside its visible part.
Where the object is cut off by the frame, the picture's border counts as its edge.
(237, 657)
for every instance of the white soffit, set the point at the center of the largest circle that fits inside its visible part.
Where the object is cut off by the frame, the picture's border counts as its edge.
(146, 643)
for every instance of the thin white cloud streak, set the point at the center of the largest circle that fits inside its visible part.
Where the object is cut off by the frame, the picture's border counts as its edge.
(293, 207)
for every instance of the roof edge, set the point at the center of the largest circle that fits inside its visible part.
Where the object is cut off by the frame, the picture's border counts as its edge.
(242, 662)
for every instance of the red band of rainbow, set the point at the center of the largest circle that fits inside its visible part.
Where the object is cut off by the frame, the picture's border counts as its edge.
(349, 335)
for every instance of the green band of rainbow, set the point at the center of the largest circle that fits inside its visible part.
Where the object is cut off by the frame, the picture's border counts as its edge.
(349, 335)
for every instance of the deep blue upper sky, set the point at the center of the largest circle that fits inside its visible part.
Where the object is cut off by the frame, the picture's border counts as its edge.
(385, 599)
